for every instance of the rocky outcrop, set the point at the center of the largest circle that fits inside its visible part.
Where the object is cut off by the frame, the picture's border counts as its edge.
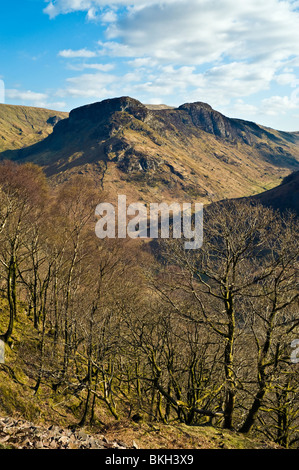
(204, 117)
(96, 112)
(53, 120)
(21, 434)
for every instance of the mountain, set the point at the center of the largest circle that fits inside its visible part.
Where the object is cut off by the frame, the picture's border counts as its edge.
(158, 152)
(21, 126)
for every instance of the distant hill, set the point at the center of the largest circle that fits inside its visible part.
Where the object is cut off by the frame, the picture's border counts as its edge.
(21, 126)
(156, 107)
(283, 197)
(158, 152)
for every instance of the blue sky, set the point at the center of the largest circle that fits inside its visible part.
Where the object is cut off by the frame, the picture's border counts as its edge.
(240, 57)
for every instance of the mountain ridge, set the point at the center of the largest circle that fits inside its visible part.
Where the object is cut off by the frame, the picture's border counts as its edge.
(189, 152)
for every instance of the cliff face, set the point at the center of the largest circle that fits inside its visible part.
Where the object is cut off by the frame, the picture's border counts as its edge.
(192, 151)
(204, 117)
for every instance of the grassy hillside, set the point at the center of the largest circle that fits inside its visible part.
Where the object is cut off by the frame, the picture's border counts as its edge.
(21, 126)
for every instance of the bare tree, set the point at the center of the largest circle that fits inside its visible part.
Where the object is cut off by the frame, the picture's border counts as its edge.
(239, 255)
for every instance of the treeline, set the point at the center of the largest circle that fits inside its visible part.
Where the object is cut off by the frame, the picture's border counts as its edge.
(147, 331)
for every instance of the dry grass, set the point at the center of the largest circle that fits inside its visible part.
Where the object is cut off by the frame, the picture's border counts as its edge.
(21, 126)
(179, 436)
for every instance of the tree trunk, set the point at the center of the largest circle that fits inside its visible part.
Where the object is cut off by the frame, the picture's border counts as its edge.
(11, 295)
(228, 366)
(249, 421)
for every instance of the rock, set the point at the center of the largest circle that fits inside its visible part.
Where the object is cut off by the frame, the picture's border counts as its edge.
(24, 435)
(63, 440)
(121, 444)
(135, 446)
(100, 110)
(109, 446)
(53, 120)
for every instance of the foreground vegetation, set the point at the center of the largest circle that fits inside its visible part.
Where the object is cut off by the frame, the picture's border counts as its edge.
(147, 332)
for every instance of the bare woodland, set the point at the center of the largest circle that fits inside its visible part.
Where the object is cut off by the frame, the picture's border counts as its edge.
(153, 331)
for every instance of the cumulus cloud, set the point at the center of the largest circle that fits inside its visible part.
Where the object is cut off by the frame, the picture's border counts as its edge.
(142, 62)
(38, 99)
(201, 31)
(57, 7)
(238, 79)
(197, 31)
(219, 51)
(286, 78)
(58, 105)
(109, 16)
(70, 54)
(277, 105)
(218, 86)
(89, 86)
(242, 109)
(35, 99)
(101, 67)
(244, 44)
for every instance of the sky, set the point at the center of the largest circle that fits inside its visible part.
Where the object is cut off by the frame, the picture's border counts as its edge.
(241, 57)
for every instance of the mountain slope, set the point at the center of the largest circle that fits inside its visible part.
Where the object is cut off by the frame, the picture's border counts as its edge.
(283, 197)
(154, 153)
(21, 126)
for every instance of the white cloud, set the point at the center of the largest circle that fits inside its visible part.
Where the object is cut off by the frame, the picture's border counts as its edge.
(201, 31)
(277, 105)
(89, 86)
(109, 16)
(115, 49)
(69, 53)
(56, 105)
(221, 51)
(243, 110)
(192, 32)
(57, 7)
(239, 78)
(142, 62)
(243, 45)
(51, 10)
(92, 14)
(100, 67)
(286, 78)
(34, 98)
